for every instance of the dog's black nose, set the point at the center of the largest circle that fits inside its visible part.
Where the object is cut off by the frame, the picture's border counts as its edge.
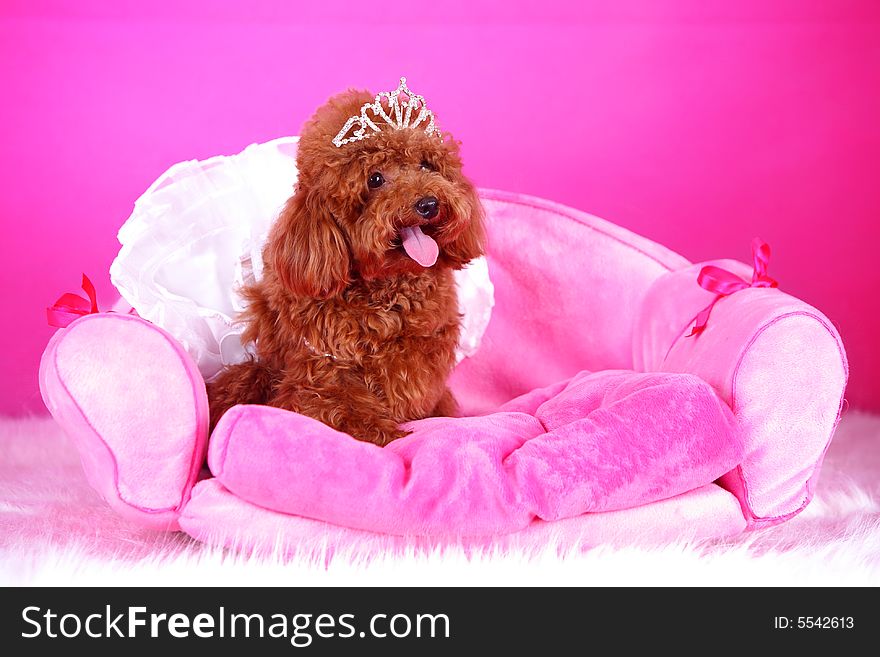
(428, 207)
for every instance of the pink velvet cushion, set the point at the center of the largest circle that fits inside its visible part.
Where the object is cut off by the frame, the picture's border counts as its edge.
(600, 442)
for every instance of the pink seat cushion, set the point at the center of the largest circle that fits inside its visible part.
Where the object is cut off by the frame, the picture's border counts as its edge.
(599, 442)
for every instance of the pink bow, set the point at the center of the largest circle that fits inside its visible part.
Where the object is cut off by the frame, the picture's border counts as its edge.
(72, 306)
(723, 283)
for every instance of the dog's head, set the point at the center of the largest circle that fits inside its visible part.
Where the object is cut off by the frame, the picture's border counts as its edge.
(393, 204)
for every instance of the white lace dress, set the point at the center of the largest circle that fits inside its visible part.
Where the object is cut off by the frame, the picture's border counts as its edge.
(196, 236)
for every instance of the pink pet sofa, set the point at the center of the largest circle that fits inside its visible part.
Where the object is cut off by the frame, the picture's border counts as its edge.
(590, 415)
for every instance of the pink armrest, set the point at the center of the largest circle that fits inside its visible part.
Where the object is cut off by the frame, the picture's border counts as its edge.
(776, 360)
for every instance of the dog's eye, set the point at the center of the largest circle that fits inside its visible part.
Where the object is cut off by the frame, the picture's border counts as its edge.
(376, 180)
(427, 166)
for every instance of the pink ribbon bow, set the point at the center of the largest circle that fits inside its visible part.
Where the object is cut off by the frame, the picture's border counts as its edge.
(724, 283)
(70, 307)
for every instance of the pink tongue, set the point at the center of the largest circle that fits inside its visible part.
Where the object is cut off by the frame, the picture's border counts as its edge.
(419, 247)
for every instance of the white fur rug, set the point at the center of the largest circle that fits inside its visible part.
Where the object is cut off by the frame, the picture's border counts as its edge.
(55, 531)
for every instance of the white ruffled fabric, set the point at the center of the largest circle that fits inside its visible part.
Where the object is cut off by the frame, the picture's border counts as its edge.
(196, 236)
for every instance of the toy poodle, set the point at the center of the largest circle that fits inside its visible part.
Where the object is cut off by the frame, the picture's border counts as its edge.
(355, 320)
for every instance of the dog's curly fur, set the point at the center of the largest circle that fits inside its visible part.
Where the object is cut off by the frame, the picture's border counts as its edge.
(348, 328)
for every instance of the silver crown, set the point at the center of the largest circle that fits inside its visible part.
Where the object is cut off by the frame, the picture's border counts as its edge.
(397, 115)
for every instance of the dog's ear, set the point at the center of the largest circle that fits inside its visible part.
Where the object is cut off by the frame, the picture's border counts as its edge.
(307, 250)
(470, 243)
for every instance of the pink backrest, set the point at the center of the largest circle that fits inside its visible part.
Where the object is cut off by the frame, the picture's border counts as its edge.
(567, 289)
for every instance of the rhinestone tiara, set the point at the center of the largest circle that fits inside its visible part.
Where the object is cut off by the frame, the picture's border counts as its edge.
(394, 109)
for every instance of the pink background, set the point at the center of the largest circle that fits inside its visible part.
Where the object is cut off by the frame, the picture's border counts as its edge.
(698, 124)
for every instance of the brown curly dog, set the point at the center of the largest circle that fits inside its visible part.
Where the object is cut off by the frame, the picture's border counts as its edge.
(356, 319)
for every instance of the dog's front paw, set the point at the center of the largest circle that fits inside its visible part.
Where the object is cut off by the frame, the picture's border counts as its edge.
(385, 437)
(379, 434)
